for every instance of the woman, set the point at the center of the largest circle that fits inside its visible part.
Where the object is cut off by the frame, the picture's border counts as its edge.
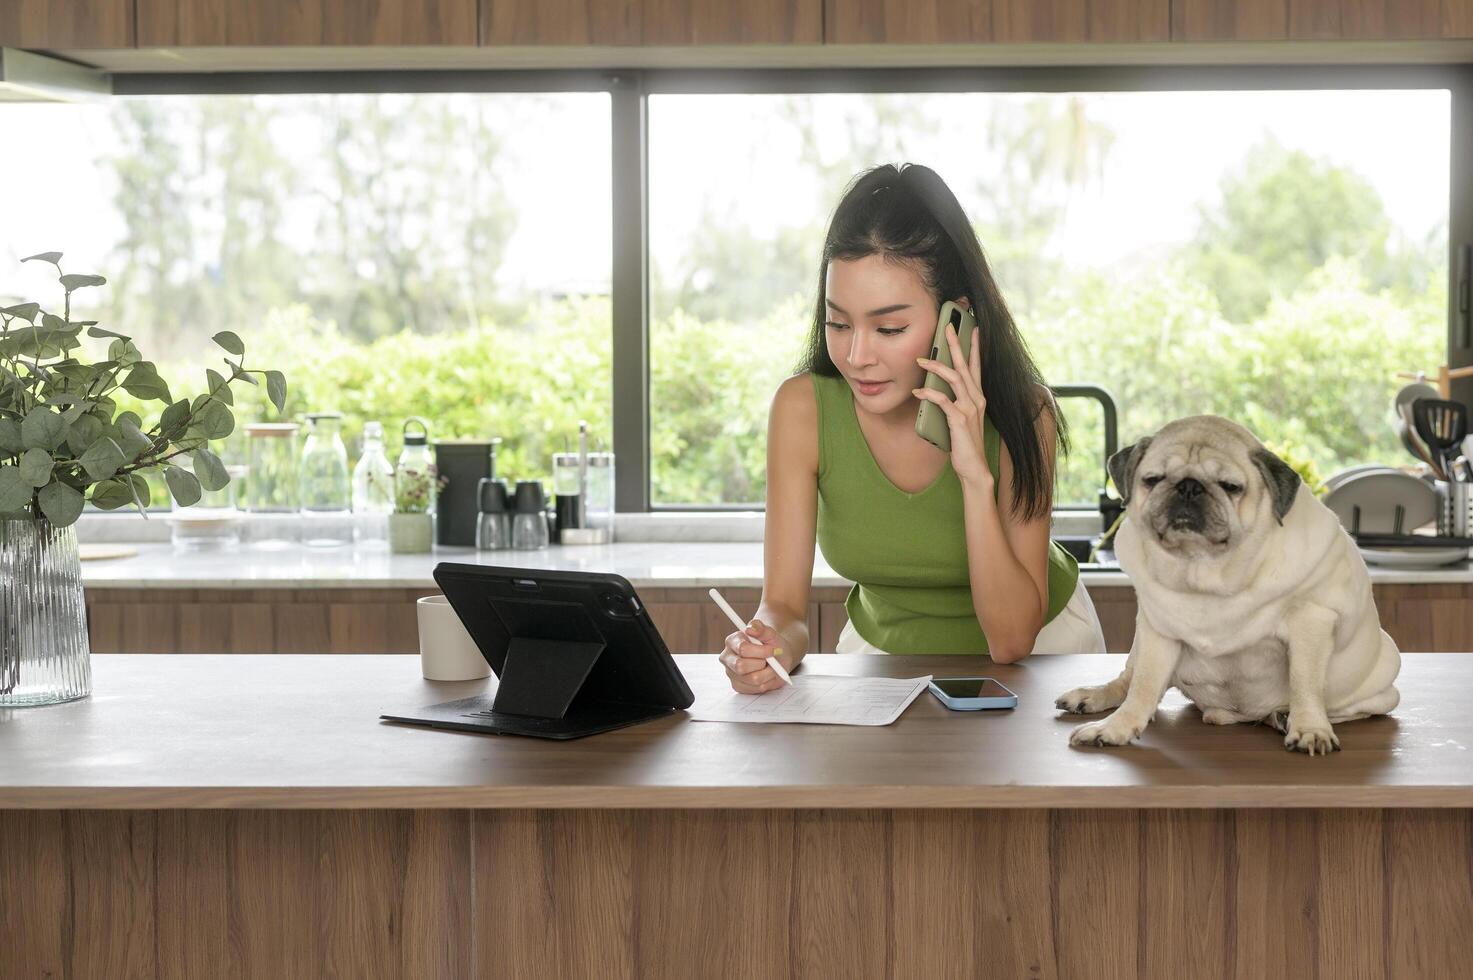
(951, 554)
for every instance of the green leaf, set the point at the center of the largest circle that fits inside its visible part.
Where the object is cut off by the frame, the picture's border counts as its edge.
(43, 429)
(35, 467)
(83, 433)
(76, 281)
(53, 257)
(130, 437)
(111, 494)
(10, 437)
(210, 471)
(175, 417)
(53, 322)
(214, 420)
(230, 342)
(102, 458)
(60, 503)
(276, 389)
(15, 492)
(124, 353)
(76, 411)
(183, 485)
(100, 332)
(143, 381)
(26, 311)
(216, 386)
(237, 372)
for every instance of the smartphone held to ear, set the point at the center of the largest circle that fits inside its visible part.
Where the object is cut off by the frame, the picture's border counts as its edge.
(931, 420)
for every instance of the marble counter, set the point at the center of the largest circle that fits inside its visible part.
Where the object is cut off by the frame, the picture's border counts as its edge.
(645, 564)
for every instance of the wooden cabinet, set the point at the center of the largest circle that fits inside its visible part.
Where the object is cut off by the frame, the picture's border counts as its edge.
(1002, 21)
(1065, 21)
(1418, 617)
(533, 22)
(66, 23)
(189, 23)
(651, 22)
(1229, 20)
(907, 21)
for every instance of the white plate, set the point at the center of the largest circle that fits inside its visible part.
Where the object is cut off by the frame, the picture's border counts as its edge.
(1413, 557)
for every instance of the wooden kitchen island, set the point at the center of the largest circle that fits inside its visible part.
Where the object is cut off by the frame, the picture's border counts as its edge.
(249, 816)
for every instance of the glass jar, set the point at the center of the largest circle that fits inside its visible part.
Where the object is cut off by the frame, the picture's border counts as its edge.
(414, 474)
(326, 488)
(272, 485)
(373, 490)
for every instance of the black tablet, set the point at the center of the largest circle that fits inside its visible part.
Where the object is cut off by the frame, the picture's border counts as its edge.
(575, 653)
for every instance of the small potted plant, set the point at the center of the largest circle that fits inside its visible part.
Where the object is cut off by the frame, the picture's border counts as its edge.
(63, 442)
(412, 525)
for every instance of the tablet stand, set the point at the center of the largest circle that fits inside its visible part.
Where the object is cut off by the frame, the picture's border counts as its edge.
(540, 678)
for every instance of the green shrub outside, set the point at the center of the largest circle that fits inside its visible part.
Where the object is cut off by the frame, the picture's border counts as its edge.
(1313, 376)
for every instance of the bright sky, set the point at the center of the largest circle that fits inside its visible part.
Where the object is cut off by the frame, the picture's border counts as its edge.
(1170, 151)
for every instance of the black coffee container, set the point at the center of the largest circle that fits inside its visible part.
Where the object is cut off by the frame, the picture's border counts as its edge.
(463, 464)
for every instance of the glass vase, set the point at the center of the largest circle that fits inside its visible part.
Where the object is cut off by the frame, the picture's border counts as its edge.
(43, 622)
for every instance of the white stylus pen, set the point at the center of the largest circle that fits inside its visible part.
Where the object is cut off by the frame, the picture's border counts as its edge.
(777, 668)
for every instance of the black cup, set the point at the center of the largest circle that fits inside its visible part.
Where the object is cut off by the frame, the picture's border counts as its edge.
(493, 496)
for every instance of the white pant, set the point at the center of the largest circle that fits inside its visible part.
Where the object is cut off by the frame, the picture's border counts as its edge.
(1076, 629)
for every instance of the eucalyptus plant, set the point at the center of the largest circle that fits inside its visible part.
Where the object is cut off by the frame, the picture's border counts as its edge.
(62, 440)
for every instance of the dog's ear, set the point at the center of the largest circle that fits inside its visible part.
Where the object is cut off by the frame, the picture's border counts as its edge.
(1283, 482)
(1122, 467)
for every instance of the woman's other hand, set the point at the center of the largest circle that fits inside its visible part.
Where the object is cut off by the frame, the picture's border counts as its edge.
(964, 414)
(745, 658)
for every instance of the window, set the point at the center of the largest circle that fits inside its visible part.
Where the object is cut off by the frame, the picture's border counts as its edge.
(1272, 256)
(441, 255)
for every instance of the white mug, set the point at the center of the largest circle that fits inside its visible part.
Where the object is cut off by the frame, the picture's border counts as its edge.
(446, 650)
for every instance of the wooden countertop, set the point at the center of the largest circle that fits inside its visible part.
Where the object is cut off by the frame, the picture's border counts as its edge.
(302, 731)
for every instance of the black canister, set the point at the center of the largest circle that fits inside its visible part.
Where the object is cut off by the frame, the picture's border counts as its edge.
(462, 465)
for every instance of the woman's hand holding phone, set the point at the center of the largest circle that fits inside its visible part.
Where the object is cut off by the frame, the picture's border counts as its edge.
(964, 414)
(745, 658)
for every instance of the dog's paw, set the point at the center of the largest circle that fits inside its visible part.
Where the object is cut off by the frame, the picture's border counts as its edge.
(1090, 700)
(1315, 738)
(1107, 731)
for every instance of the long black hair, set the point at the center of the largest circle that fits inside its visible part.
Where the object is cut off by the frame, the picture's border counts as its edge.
(908, 214)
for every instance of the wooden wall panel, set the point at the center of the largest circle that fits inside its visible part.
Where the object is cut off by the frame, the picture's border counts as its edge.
(66, 23)
(167, 23)
(607, 22)
(760, 893)
(1229, 20)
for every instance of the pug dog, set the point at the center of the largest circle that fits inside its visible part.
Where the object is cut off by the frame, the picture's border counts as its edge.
(1253, 601)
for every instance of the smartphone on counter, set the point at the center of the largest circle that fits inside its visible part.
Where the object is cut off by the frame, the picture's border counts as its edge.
(972, 693)
(931, 420)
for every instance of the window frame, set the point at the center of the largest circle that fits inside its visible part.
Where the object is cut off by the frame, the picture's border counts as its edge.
(629, 92)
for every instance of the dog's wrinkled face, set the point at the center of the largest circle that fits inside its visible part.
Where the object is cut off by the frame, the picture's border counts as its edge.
(1201, 484)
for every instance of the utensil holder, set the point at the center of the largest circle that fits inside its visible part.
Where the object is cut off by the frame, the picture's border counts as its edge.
(1454, 504)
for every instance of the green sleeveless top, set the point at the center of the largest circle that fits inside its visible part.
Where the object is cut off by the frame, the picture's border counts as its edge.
(907, 552)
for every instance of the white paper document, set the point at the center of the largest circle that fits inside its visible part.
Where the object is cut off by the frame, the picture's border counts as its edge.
(819, 700)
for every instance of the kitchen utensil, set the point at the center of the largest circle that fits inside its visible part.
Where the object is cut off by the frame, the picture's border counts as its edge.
(1414, 445)
(1409, 541)
(1414, 557)
(461, 465)
(493, 524)
(1441, 425)
(529, 530)
(1454, 508)
(1384, 501)
(1403, 405)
